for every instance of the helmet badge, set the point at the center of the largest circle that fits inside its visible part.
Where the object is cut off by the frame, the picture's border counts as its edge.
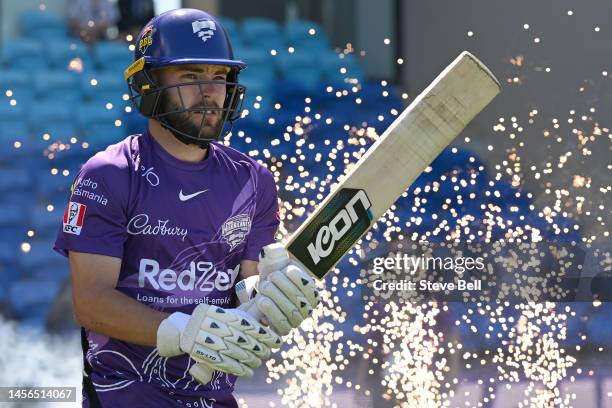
(145, 40)
(204, 28)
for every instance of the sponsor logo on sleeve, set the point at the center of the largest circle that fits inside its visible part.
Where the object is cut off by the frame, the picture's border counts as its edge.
(87, 188)
(73, 218)
(235, 229)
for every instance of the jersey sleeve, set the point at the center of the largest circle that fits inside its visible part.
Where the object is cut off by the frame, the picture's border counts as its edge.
(266, 219)
(95, 217)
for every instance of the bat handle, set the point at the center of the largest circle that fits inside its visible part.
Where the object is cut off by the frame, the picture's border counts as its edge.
(251, 308)
(245, 289)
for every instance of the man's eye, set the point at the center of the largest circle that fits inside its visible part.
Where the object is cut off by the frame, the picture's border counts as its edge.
(220, 78)
(190, 76)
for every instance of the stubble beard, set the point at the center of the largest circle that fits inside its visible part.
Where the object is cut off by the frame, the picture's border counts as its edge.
(189, 123)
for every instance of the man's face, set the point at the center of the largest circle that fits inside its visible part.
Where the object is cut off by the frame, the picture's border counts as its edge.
(196, 96)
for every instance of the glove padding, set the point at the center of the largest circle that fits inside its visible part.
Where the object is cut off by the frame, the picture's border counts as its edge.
(286, 296)
(287, 293)
(228, 340)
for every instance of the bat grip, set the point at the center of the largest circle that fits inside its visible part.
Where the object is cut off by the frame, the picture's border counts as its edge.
(252, 309)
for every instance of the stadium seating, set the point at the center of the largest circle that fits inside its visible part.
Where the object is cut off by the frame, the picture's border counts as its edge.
(256, 57)
(231, 27)
(19, 82)
(12, 215)
(49, 114)
(33, 296)
(98, 123)
(46, 224)
(49, 186)
(259, 34)
(270, 44)
(104, 87)
(41, 257)
(112, 56)
(10, 113)
(8, 272)
(64, 52)
(12, 180)
(57, 85)
(11, 132)
(24, 54)
(134, 122)
(43, 25)
(306, 35)
(258, 29)
(333, 64)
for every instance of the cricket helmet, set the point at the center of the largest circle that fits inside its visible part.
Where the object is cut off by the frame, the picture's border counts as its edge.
(176, 37)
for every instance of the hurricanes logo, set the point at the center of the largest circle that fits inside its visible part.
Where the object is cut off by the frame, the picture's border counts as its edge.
(235, 229)
(205, 29)
(145, 40)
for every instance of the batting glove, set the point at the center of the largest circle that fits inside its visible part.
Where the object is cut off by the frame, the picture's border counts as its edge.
(227, 340)
(286, 293)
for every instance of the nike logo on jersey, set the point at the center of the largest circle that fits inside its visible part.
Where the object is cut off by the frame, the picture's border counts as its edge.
(184, 197)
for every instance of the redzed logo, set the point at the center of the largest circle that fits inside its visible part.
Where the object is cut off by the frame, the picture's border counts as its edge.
(73, 218)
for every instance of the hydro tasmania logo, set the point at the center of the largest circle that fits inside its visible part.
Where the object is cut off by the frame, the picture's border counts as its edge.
(205, 29)
(333, 231)
(73, 218)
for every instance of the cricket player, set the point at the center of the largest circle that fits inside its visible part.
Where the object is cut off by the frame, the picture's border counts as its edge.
(161, 226)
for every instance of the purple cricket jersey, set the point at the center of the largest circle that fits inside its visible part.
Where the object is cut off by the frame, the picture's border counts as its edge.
(181, 230)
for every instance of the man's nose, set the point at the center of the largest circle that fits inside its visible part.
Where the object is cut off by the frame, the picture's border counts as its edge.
(208, 89)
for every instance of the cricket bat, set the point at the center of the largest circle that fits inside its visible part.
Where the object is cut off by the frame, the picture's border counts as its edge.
(418, 135)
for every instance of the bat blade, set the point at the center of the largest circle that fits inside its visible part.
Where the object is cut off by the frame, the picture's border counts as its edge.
(393, 163)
